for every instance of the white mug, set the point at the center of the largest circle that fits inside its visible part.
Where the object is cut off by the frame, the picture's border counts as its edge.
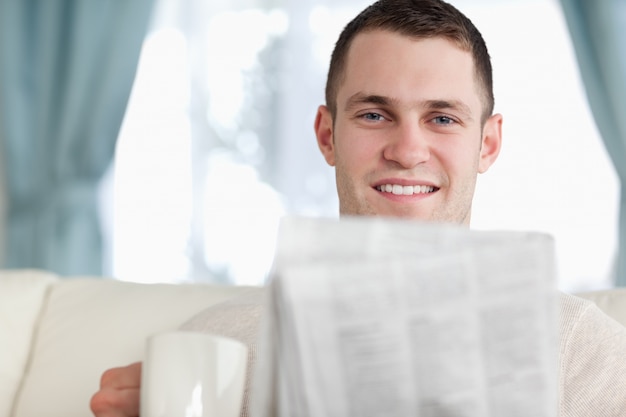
(189, 374)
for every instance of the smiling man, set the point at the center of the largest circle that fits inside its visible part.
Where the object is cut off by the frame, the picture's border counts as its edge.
(408, 125)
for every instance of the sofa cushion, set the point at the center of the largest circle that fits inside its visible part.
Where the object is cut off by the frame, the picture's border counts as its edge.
(90, 325)
(21, 297)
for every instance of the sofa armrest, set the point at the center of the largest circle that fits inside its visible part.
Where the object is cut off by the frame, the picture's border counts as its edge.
(92, 324)
(22, 294)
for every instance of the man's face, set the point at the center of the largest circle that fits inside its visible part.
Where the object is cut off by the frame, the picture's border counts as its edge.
(407, 140)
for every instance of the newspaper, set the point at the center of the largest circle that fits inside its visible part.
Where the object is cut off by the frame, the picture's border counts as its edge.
(385, 317)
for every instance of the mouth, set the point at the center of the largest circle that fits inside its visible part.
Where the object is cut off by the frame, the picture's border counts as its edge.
(398, 189)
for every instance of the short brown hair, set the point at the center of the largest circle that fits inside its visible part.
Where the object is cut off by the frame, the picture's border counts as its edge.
(416, 19)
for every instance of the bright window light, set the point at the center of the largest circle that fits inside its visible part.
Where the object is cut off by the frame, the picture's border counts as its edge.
(218, 144)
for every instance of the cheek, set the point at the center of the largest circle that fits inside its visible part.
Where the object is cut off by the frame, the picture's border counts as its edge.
(356, 153)
(460, 158)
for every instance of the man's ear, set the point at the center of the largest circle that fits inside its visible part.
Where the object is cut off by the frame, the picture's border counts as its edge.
(324, 132)
(491, 142)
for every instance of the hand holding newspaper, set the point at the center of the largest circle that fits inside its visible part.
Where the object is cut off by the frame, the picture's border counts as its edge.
(385, 317)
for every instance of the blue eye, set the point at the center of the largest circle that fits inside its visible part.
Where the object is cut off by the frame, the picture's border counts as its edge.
(443, 120)
(373, 116)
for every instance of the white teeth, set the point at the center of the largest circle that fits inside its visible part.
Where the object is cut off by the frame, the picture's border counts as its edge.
(405, 189)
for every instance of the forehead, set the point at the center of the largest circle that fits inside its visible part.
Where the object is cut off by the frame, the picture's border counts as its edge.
(407, 69)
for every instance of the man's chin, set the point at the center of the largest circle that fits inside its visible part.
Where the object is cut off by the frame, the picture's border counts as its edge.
(408, 214)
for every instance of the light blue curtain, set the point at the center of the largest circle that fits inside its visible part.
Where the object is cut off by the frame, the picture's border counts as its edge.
(597, 28)
(66, 71)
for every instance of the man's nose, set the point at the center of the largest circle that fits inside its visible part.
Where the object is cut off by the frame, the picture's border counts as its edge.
(408, 146)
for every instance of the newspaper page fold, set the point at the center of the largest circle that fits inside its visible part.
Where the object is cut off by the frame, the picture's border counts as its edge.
(381, 317)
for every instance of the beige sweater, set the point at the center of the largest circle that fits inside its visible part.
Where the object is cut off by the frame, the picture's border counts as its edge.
(592, 378)
(239, 319)
(592, 346)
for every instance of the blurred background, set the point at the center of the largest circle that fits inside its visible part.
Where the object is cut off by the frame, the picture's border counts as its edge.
(162, 140)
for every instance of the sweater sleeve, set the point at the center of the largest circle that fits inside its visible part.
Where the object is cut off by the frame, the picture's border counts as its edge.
(592, 378)
(239, 319)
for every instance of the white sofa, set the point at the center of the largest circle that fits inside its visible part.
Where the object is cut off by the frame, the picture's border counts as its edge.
(57, 335)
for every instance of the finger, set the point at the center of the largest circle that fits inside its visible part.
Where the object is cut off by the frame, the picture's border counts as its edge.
(112, 402)
(122, 377)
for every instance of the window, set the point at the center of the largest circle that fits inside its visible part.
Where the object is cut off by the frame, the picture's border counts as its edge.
(218, 143)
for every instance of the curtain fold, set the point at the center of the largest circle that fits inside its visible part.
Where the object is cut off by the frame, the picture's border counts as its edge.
(67, 71)
(596, 29)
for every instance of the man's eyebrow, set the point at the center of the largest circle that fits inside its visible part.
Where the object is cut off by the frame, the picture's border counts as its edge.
(439, 104)
(449, 104)
(361, 98)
